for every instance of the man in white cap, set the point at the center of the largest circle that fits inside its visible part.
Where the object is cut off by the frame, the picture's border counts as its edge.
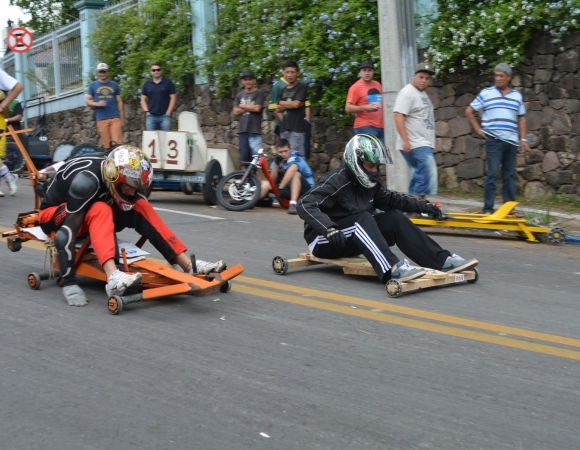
(105, 96)
(415, 123)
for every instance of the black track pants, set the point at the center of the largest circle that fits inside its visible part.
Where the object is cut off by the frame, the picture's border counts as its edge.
(373, 235)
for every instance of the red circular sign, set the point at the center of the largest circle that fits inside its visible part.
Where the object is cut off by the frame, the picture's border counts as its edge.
(20, 40)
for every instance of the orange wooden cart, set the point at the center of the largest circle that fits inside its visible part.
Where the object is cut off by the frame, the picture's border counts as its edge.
(158, 280)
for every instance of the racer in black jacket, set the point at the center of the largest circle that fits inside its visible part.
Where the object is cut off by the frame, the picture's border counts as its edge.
(98, 196)
(339, 220)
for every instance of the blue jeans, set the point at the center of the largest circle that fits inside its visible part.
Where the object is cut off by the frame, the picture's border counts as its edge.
(373, 131)
(249, 144)
(162, 123)
(423, 171)
(499, 152)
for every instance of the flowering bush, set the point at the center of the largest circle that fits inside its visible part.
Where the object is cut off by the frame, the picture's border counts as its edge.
(468, 33)
(130, 40)
(327, 38)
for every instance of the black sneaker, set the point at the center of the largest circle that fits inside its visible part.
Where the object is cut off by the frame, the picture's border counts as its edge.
(292, 209)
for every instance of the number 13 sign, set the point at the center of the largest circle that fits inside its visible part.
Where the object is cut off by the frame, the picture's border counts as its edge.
(166, 149)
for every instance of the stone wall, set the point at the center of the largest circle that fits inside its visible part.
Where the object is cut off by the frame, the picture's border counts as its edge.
(549, 80)
(218, 123)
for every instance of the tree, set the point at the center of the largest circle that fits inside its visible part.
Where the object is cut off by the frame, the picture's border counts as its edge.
(47, 15)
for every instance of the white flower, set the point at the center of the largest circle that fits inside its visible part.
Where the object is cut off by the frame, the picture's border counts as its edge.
(499, 30)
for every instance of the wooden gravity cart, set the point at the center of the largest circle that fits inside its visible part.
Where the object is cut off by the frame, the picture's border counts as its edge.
(358, 265)
(501, 220)
(158, 281)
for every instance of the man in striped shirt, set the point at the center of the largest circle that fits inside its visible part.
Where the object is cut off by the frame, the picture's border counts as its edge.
(504, 127)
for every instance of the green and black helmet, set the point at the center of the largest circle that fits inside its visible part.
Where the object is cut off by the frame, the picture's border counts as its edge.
(366, 148)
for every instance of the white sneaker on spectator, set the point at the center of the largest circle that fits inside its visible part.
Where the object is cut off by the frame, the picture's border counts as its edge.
(12, 184)
(205, 267)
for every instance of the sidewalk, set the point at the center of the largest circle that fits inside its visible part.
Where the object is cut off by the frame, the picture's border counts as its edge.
(569, 222)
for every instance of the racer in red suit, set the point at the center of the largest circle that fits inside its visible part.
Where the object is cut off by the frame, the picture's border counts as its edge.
(99, 196)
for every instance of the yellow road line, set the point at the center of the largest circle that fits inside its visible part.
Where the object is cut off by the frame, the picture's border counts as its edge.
(412, 311)
(411, 323)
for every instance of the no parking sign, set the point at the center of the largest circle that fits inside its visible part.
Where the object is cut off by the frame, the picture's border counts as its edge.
(20, 40)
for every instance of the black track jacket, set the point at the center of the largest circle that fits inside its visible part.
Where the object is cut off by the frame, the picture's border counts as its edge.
(338, 194)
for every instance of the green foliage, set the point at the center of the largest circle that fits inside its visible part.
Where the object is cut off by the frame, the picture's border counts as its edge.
(47, 15)
(471, 33)
(327, 38)
(130, 40)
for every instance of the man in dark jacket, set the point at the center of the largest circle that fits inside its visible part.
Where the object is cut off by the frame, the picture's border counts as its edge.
(339, 222)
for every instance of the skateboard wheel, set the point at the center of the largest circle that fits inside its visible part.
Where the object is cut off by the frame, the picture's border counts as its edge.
(556, 235)
(115, 305)
(225, 288)
(33, 281)
(476, 276)
(280, 265)
(394, 288)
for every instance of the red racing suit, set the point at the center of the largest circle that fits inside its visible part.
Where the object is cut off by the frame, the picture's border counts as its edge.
(78, 202)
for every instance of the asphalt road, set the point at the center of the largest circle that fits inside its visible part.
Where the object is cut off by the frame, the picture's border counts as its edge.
(311, 360)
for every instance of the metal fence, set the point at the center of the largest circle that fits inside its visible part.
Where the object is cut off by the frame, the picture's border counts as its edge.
(9, 65)
(54, 63)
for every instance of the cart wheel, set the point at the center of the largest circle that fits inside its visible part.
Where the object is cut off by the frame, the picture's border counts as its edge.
(280, 265)
(33, 281)
(394, 288)
(213, 176)
(187, 188)
(556, 235)
(225, 288)
(476, 276)
(115, 305)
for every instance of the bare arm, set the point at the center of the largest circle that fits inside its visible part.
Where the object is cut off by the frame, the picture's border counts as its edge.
(290, 104)
(287, 178)
(402, 130)
(144, 105)
(121, 109)
(14, 92)
(353, 109)
(470, 114)
(523, 125)
(89, 102)
(308, 113)
(172, 102)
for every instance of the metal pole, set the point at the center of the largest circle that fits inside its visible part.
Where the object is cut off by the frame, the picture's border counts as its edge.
(398, 57)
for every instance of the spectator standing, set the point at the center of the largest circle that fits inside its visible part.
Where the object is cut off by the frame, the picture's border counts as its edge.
(503, 114)
(291, 110)
(15, 115)
(105, 96)
(248, 106)
(274, 97)
(158, 100)
(415, 123)
(12, 88)
(365, 101)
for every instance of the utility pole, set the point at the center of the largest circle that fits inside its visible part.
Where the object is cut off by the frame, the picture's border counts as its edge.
(398, 58)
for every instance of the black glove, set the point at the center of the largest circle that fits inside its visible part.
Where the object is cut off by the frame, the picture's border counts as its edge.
(278, 159)
(434, 211)
(336, 237)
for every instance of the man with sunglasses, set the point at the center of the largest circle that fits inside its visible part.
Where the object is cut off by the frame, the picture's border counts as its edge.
(105, 96)
(158, 100)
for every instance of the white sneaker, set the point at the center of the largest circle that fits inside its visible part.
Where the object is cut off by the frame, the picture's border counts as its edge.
(206, 267)
(74, 295)
(1, 194)
(12, 184)
(119, 282)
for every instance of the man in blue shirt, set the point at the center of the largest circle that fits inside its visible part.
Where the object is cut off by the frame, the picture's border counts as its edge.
(158, 100)
(504, 128)
(291, 172)
(105, 96)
